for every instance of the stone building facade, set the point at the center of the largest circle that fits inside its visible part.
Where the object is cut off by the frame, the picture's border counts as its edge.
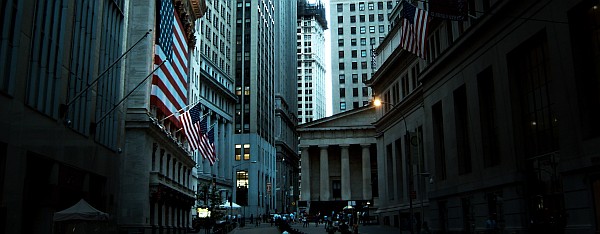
(338, 162)
(504, 115)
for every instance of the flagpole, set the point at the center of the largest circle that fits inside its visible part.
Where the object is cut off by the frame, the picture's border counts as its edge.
(193, 104)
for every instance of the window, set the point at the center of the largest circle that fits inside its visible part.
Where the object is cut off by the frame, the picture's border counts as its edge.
(238, 152)
(363, 53)
(439, 150)
(380, 17)
(246, 151)
(353, 19)
(371, 18)
(363, 65)
(352, 7)
(382, 28)
(342, 92)
(340, 7)
(352, 30)
(340, 31)
(341, 66)
(361, 6)
(529, 69)
(487, 113)
(362, 18)
(340, 42)
(336, 185)
(365, 91)
(340, 19)
(341, 54)
(354, 65)
(363, 30)
(364, 77)
(363, 41)
(354, 53)
(342, 78)
(380, 6)
(354, 78)
(371, 6)
(342, 105)
(354, 92)
(353, 42)
(462, 130)
(372, 29)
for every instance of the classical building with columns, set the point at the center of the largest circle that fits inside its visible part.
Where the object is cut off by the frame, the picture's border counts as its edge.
(338, 162)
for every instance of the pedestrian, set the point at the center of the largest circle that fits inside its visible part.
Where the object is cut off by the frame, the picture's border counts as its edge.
(491, 226)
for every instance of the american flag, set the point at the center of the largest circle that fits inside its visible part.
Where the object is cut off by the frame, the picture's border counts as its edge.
(414, 29)
(206, 149)
(211, 139)
(169, 83)
(191, 126)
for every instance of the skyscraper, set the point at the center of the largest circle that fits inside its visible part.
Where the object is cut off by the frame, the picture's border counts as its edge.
(254, 119)
(358, 27)
(311, 25)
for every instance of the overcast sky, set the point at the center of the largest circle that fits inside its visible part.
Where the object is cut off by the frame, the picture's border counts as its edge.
(327, 61)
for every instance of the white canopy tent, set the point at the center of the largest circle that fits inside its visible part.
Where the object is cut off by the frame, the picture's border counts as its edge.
(80, 211)
(226, 205)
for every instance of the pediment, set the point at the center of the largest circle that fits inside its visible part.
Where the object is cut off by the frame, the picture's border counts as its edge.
(360, 118)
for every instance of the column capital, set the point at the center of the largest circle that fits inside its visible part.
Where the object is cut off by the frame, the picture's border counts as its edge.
(365, 145)
(344, 146)
(323, 146)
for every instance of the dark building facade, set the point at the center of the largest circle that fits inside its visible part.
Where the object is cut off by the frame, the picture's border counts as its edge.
(498, 123)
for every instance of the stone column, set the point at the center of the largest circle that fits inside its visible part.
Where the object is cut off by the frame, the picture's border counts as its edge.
(346, 193)
(305, 170)
(324, 175)
(221, 147)
(156, 210)
(366, 171)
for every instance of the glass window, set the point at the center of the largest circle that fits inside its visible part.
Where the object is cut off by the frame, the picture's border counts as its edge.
(340, 19)
(361, 6)
(363, 30)
(342, 105)
(340, 7)
(246, 151)
(362, 18)
(352, 7)
(371, 6)
(353, 42)
(352, 19)
(363, 41)
(372, 29)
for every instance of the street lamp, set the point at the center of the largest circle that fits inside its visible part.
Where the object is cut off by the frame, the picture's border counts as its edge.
(233, 182)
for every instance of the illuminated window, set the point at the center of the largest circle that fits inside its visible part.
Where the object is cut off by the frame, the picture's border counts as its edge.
(238, 152)
(246, 151)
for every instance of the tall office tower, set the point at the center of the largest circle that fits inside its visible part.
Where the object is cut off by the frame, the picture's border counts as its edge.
(286, 120)
(254, 128)
(61, 72)
(357, 28)
(156, 192)
(212, 87)
(311, 65)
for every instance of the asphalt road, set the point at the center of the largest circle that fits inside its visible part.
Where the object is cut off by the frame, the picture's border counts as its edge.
(266, 228)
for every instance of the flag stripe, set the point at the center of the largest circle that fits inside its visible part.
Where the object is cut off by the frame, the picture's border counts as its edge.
(169, 84)
(414, 29)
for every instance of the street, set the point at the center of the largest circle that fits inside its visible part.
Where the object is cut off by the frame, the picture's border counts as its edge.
(266, 228)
